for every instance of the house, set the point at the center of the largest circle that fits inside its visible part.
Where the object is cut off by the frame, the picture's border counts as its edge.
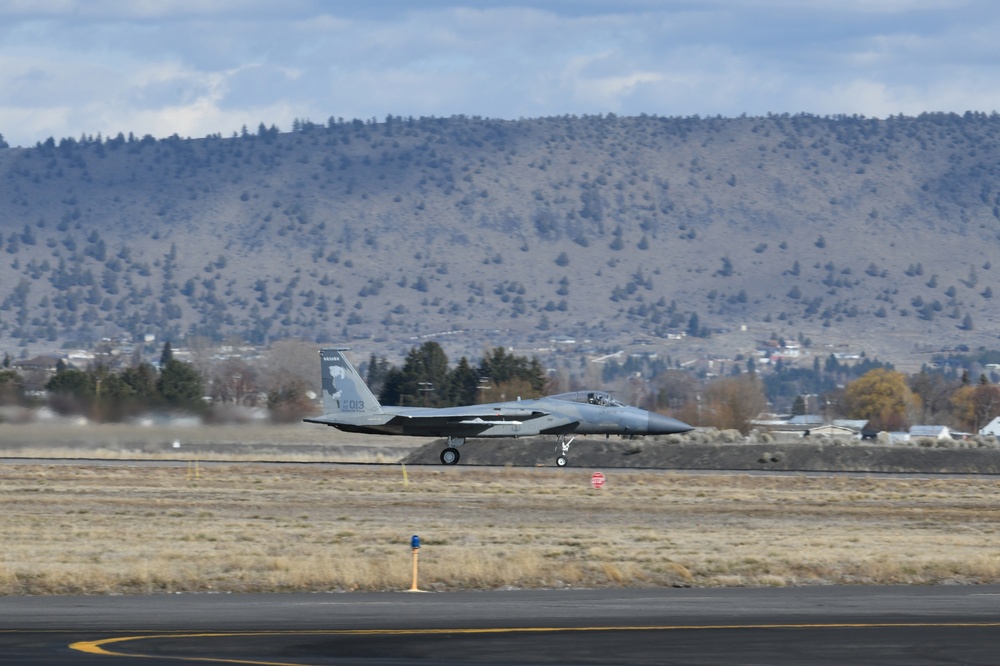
(991, 428)
(805, 425)
(806, 420)
(857, 425)
(932, 431)
(39, 363)
(831, 430)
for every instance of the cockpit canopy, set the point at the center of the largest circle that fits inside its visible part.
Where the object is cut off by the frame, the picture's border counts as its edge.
(602, 398)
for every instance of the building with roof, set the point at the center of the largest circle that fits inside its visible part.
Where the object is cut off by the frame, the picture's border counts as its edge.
(830, 430)
(991, 428)
(932, 431)
(39, 363)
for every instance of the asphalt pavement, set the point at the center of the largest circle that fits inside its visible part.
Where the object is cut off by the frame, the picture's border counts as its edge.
(814, 625)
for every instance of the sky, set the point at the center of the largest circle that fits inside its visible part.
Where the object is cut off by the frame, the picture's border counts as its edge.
(199, 67)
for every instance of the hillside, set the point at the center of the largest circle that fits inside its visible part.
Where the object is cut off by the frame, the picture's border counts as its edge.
(880, 234)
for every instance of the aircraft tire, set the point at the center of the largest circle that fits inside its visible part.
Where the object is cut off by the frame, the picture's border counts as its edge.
(450, 456)
(561, 461)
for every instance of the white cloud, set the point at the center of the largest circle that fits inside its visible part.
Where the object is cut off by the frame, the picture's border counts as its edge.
(197, 67)
(119, 10)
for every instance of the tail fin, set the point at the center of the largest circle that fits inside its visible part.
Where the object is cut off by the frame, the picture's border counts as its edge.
(344, 392)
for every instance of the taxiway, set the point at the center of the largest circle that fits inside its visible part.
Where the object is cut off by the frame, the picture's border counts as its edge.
(816, 625)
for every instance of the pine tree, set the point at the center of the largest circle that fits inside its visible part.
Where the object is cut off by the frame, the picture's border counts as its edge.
(166, 355)
(180, 385)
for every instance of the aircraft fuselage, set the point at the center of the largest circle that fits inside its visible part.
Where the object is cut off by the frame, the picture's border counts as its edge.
(528, 418)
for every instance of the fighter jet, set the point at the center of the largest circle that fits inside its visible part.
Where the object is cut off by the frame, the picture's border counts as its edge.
(349, 405)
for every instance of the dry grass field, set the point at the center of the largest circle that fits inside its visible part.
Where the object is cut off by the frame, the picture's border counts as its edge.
(128, 528)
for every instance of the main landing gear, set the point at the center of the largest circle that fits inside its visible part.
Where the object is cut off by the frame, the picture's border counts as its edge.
(450, 455)
(564, 445)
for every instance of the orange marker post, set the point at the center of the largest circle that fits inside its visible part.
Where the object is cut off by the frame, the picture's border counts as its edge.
(415, 545)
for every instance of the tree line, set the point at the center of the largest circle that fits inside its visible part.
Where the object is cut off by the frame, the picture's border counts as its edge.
(106, 394)
(426, 379)
(889, 400)
(286, 383)
(893, 401)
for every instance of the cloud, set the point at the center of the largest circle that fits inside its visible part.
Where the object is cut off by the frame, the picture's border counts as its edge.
(129, 10)
(194, 68)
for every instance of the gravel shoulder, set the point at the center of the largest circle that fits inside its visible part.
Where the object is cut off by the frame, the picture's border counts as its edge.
(658, 454)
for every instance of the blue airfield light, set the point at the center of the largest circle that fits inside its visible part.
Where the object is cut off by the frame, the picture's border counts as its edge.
(415, 544)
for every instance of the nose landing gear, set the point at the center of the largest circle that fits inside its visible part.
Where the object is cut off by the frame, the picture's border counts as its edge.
(564, 445)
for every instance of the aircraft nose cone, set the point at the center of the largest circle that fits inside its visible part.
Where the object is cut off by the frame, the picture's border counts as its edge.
(664, 425)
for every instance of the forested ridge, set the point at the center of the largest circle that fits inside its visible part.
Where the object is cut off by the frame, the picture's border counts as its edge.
(603, 227)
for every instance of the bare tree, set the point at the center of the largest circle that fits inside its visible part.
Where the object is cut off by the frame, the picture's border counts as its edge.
(292, 379)
(677, 388)
(292, 361)
(976, 405)
(234, 381)
(935, 392)
(732, 402)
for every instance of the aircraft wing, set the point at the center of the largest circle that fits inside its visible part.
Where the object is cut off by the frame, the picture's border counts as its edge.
(470, 415)
(474, 415)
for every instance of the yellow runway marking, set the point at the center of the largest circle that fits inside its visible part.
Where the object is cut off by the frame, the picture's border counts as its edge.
(98, 646)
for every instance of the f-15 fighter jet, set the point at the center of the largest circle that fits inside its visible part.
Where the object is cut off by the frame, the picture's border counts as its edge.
(349, 405)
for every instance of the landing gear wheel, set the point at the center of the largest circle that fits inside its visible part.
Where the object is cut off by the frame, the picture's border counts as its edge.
(449, 456)
(563, 448)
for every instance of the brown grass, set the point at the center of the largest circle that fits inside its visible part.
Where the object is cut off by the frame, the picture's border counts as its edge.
(108, 529)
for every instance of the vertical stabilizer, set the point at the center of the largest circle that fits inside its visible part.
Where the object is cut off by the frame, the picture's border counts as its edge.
(344, 392)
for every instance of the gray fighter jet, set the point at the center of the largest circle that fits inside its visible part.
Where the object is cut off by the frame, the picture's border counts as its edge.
(349, 405)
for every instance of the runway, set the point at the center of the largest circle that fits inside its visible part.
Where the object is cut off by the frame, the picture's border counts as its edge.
(208, 463)
(817, 625)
